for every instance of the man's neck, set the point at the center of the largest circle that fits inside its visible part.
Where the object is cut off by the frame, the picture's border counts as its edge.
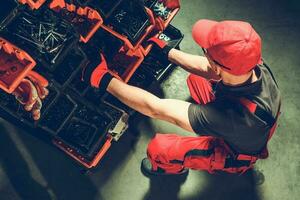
(232, 80)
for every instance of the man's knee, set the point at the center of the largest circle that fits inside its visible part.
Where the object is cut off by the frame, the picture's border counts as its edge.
(160, 144)
(154, 146)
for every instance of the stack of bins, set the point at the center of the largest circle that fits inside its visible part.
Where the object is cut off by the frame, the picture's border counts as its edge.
(65, 36)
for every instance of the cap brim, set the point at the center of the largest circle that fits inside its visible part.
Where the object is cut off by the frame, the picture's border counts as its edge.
(201, 30)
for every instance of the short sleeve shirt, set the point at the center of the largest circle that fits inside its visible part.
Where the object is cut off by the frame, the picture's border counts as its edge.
(227, 118)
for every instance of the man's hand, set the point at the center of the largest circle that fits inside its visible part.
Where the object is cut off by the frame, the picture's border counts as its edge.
(161, 44)
(100, 76)
(30, 93)
(171, 4)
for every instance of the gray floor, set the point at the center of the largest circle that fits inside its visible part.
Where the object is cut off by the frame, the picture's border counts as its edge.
(31, 169)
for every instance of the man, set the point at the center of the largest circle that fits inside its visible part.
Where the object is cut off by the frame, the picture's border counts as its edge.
(237, 103)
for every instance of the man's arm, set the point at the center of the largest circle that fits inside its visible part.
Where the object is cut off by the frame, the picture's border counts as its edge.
(192, 63)
(171, 110)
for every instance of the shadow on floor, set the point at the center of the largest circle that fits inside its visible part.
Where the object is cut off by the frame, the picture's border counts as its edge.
(61, 180)
(164, 187)
(217, 186)
(18, 173)
(230, 187)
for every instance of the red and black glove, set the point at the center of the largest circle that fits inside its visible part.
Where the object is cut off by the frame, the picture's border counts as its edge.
(171, 4)
(98, 77)
(30, 93)
(163, 45)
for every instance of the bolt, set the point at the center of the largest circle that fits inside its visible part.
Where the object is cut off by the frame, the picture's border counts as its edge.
(26, 20)
(40, 31)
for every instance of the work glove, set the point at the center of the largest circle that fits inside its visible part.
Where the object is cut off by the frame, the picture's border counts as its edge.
(100, 76)
(162, 44)
(30, 93)
(171, 4)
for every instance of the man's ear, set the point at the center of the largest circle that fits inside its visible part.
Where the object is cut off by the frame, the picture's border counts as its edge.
(219, 70)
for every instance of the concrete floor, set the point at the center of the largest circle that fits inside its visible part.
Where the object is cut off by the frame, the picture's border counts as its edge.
(33, 170)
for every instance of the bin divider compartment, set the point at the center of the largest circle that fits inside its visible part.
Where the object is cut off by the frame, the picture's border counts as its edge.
(85, 20)
(57, 114)
(73, 62)
(131, 22)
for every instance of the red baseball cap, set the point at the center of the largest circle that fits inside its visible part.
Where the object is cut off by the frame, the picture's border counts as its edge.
(233, 44)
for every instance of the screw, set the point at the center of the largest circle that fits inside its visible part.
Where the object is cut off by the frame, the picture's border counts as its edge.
(40, 31)
(48, 36)
(57, 55)
(62, 36)
(29, 22)
(55, 49)
(28, 40)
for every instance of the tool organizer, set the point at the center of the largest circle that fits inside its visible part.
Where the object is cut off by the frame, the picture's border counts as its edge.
(57, 39)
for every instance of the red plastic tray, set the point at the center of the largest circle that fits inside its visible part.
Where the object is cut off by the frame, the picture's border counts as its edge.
(33, 4)
(15, 64)
(88, 164)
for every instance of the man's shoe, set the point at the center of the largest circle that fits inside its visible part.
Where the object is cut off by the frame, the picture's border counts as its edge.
(146, 168)
(259, 177)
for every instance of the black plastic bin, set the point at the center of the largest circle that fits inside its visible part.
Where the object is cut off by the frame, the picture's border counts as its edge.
(105, 7)
(57, 114)
(42, 34)
(104, 42)
(130, 19)
(74, 61)
(87, 130)
(9, 104)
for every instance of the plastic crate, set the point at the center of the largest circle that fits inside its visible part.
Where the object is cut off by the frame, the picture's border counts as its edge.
(57, 114)
(15, 64)
(76, 117)
(47, 37)
(130, 19)
(89, 133)
(86, 131)
(131, 22)
(72, 64)
(85, 20)
(33, 4)
(15, 110)
(105, 7)
(105, 42)
(125, 63)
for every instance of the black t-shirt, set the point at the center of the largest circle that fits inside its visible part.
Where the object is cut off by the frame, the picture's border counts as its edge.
(227, 118)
